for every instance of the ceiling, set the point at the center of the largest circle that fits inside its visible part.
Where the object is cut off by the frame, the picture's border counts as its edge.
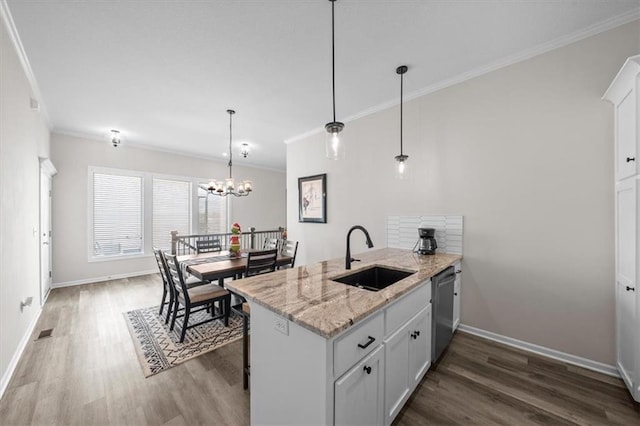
(164, 73)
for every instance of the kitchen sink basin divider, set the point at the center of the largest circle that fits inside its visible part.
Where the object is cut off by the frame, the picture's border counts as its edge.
(188, 244)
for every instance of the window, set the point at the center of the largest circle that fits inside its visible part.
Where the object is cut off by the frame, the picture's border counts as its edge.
(117, 227)
(171, 210)
(131, 212)
(212, 213)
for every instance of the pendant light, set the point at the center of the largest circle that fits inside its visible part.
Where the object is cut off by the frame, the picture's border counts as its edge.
(335, 141)
(401, 159)
(228, 186)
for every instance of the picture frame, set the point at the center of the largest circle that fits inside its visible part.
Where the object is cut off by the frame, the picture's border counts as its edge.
(312, 199)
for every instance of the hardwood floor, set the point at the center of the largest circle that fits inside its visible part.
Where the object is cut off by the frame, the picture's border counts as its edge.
(87, 373)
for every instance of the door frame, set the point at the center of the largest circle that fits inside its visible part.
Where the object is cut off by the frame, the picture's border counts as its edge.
(47, 171)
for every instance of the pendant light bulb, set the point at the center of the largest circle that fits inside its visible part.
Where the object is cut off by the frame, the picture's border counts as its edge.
(335, 141)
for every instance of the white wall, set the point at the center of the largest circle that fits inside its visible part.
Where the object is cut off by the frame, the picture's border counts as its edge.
(263, 209)
(525, 154)
(24, 136)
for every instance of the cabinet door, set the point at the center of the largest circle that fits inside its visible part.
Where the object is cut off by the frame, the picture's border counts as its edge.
(359, 394)
(626, 292)
(419, 346)
(456, 296)
(397, 376)
(626, 137)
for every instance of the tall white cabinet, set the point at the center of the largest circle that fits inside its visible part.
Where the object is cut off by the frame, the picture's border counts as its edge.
(624, 94)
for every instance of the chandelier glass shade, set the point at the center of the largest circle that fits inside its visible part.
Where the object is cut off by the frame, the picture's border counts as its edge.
(228, 186)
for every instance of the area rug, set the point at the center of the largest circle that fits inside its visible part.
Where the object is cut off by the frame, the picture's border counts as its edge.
(159, 349)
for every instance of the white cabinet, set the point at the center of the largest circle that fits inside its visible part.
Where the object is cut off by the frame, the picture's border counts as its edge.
(359, 394)
(351, 347)
(407, 359)
(362, 376)
(419, 346)
(627, 315)
(457, 287)
(625, 96)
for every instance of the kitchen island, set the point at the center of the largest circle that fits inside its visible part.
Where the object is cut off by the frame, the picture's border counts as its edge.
(318, 346)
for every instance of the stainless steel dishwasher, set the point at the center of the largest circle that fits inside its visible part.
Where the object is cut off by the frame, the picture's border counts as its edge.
(442, 325)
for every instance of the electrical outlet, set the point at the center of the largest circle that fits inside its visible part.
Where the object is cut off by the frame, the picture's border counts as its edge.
(281, 324)
(25, 302)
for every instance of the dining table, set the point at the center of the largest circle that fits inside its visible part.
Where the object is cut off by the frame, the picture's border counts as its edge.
(219, 265)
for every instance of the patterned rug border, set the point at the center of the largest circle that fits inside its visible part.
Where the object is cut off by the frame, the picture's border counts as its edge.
(159, 349)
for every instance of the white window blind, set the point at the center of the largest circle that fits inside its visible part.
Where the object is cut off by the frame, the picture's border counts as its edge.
(117, 215)
(171, 210)
(212, 213)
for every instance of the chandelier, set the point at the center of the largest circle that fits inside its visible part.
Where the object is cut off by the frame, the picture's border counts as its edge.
(228, 186)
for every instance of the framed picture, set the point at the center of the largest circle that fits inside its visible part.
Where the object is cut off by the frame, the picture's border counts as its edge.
(312, 199)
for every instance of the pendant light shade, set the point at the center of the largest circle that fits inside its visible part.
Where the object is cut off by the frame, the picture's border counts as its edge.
(401, 160)
(335, 137)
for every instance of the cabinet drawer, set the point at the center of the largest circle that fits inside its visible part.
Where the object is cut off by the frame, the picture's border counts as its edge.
(353, 346)
(405, 308)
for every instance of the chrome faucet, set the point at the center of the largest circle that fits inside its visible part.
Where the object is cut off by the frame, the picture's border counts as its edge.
(348, 259)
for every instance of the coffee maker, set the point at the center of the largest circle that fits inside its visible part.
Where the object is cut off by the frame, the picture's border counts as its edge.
(427, 242)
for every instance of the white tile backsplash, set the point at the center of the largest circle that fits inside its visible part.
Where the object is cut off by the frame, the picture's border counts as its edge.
(402, 231)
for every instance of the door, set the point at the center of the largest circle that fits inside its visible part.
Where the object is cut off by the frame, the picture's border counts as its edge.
(626, 298)
(397, 385)
(46, 172)
(359, 394)
(419, 346)
(626, 138)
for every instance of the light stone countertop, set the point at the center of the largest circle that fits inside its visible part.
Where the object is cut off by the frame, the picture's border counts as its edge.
(307, 296)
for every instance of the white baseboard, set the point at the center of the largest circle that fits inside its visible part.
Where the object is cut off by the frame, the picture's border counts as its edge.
(100, 279)
(6, 377)
(599, 367)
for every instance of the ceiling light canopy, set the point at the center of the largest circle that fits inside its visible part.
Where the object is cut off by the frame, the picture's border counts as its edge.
(245, 150)
(401, 159)
(335, 141)
(115, 138)
(228, 186)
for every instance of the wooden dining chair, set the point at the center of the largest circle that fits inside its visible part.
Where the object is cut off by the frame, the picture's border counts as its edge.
(203, 297)
(261, 262)
(271, 243)
(289, 249)
(208, 245)
(168, 288)
(258, 262)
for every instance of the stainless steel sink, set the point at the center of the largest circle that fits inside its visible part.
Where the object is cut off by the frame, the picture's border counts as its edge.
(374, 278)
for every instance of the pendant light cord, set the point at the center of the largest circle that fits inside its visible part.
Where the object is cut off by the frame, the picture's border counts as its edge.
(401, 89)
(230, 151)
(333, 58)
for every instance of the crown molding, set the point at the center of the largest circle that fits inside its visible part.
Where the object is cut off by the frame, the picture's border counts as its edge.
(128, 144)
(589, 31)
(24, 61)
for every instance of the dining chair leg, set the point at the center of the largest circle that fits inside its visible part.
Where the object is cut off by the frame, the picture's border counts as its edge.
(184, 324)
(169, 308)
(164, 297)
(245, 351)
(175, 313)
(227, 309)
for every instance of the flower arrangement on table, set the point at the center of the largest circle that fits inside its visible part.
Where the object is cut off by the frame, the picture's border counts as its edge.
(234, 241)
